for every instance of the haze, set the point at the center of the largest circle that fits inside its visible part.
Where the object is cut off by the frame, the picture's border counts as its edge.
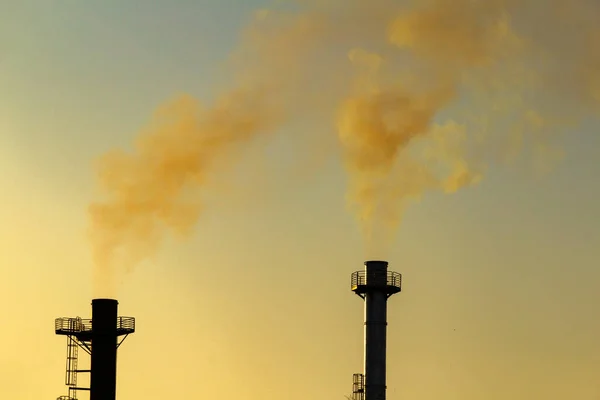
(499, 298)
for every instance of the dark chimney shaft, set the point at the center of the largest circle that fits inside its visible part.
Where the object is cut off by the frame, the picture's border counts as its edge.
(374, 285)
(103, 380)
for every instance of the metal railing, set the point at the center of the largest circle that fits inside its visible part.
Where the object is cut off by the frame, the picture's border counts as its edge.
(85, 325)
(126, 323)
(73, 325)
(360, 278)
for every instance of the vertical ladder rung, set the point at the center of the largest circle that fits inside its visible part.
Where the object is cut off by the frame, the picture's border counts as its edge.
(72, 355)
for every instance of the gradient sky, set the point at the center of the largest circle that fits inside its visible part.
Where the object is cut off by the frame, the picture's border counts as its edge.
(500, 296)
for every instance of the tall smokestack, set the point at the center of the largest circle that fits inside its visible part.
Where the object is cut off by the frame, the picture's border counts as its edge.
(99, 337)
(103, 382)
(374, 285)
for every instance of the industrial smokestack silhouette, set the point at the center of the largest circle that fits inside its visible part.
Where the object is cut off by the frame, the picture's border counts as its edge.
(103, 382)
(374, 285)
(99, 337)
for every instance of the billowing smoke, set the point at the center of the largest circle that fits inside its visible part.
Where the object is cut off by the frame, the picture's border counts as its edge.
(423, 95)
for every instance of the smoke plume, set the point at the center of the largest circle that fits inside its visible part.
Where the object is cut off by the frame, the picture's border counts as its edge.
(424, 96)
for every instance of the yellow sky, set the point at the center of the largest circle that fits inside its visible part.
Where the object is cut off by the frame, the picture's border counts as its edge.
(500, 296)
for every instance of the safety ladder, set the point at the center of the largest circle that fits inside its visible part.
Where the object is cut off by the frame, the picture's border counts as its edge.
(71, 373)
(358, 387)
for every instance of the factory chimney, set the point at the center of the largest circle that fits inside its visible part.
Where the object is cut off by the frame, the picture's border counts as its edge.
(99, 337)
(375, 284)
